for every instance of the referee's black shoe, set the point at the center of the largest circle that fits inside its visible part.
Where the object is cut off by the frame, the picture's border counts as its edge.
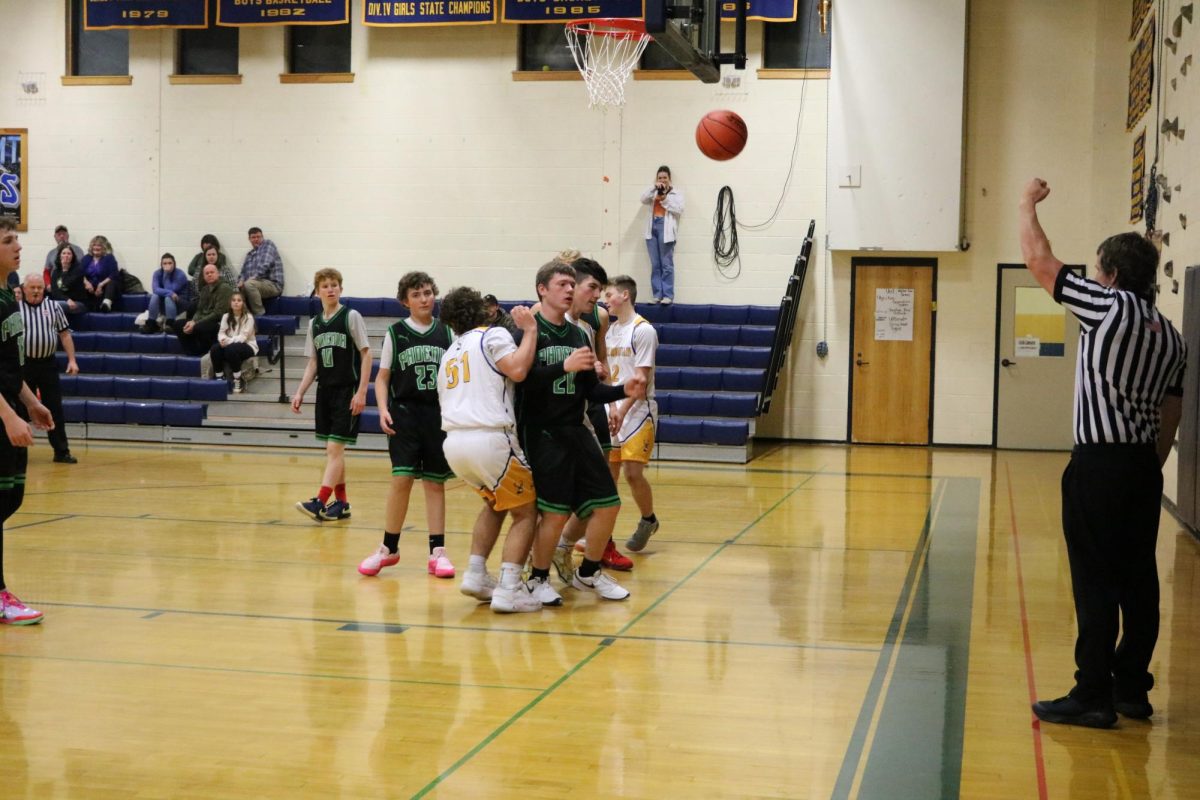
(65, 457)
(1135, 705)
(1070, 711)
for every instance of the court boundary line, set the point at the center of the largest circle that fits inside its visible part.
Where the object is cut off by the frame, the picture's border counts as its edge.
(1036, 726)
(603, 645)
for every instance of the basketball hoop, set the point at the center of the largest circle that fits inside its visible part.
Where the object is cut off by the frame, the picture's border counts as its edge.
(606, 51)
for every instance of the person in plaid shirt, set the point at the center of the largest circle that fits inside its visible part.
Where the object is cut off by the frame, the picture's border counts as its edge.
(262, 272)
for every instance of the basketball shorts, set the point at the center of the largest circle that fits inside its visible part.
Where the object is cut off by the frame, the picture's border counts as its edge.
(569, 471)
(598, 416)
(491, 461)
(416, 448)
(13, 461)
(334, 420)
(635, 440)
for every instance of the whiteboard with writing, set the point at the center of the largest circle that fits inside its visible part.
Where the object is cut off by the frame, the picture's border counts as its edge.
(894, 315)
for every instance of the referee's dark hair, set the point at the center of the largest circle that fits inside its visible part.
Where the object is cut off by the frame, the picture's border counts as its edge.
(463, 310)
(1133, 260)
(586, 266)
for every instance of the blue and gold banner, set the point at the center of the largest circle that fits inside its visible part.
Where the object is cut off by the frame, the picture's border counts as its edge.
(566, 10)
(764, 10)
(237, 13)
(391, 13)
(101, 15)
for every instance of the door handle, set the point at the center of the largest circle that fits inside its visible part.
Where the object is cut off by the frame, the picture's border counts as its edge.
(861, 363)
(1004, 362)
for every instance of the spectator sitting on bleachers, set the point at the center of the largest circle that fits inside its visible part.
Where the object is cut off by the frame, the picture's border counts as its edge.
(168, 291)
(262, 272)
(66, 281)
(101, 275)
(235, 341)
(61, 237)
(199, 334)
(196, 268)
(496, 315)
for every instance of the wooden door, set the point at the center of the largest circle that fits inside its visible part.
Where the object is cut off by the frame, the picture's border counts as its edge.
(891, 358)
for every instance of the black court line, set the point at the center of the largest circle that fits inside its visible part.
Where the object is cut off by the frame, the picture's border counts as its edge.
(10, 528)
(267, 673)
(587, 659)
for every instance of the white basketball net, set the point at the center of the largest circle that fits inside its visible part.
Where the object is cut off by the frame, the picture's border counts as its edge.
(605, 53)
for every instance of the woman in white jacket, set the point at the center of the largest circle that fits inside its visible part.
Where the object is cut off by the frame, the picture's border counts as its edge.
(235, 341)
(667, 204)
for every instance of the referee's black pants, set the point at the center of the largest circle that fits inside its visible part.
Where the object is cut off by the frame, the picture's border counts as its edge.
(1111, 502)
(41, 374)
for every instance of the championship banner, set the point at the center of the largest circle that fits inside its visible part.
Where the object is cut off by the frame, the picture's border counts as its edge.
(99, 15)
(566, 10)
(14, 183)
(1141, 77)
(238, 13)
(763, 10)
(390, 14)
(1137, 181)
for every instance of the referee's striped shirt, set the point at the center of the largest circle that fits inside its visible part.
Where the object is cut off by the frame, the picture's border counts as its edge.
(43, 323)
(1130, 356)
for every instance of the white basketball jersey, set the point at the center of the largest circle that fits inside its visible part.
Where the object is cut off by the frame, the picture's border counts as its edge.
(629, 346)
(472, 392)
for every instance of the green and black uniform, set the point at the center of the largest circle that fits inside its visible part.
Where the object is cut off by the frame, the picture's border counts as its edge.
(338, 369)
(416, 447)
(570, 472)
(12, 357)
(597, 413)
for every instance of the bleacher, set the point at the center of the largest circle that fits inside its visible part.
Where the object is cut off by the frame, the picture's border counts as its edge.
(712, 364)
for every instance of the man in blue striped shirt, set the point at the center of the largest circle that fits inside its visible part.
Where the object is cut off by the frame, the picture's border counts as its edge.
(1128, 401)
(262, 272)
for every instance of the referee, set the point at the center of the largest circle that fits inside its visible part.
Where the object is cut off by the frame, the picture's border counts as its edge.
(45, 326)
(1128, 390)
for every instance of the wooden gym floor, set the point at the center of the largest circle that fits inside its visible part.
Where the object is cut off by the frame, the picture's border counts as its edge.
(823, 622)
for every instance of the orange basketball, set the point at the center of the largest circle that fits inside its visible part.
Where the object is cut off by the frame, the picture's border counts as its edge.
(721, 135)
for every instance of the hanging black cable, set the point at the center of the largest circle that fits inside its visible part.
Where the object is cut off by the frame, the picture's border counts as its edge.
(725, 237)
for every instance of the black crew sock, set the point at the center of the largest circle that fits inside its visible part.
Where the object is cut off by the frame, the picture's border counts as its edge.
(436, 540)
(588, 568)
(651, 519)
(391, 541)
(536, 573)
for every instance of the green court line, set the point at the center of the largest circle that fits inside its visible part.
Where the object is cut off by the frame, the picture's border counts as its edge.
(604, 644)
(265, 672)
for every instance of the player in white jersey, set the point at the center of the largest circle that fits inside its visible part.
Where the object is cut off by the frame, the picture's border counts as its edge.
(475, 390)
(632, 348)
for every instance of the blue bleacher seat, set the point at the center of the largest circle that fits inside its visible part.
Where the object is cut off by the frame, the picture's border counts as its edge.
(74, 409)
(154, 343)
(730, 404)
(707, 356)
(725, 431)
(89, 363)
(751, 357)
(729, 315)
(136, 303)
(143, 413)
(125, 363)
(266, 346)
(690, 314)
(742, 380)
(370, 421)
(367, 306)
(756, 336)
(183, 414)
(169, 388)
(673, 355)
(670, 333)
(67, 384)
(680, 430)
(374, 370)
(664, 402)
(110, 342)
(654, 313)
(371, 394)
(293, 306)
(691, 404)
(391, 307)
(726, 335)
(94, 385)
(666, 377)
(185, 366)
(763, 315)
(107, 322)
(270, 324)
(700, 380)
(172, 346)
(201, 389)
(130, 386)
(106, 411)
(85, 341)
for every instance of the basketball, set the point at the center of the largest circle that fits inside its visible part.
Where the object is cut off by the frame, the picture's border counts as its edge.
(721, 135)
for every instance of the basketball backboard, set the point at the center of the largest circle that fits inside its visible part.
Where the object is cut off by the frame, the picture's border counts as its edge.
(690, 31)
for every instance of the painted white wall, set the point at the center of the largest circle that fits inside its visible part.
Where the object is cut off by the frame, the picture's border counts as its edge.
(895, 124)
